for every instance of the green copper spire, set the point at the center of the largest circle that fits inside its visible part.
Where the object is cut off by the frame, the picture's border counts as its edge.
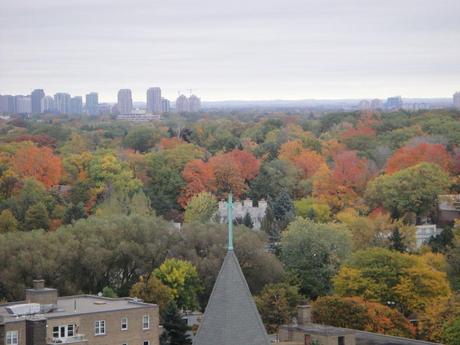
(230, 221)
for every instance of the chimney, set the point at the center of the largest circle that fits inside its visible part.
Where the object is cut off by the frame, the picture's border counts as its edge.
(46, 297)
(304, 314)
(38, 283)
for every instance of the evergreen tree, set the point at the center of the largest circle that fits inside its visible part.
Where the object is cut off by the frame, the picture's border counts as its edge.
(283, 209)
(397, 241)
(37, 217)
(74, 212)
(174, 327)
(270, 227)
(247, 220)
(442, 242)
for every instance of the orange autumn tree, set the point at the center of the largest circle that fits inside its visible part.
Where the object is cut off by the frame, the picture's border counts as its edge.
(38, 162)
(350, 171)
(232, 171)
(247, 163)
(340, 186)
(308, 162)
(408, 156)
(199, 177)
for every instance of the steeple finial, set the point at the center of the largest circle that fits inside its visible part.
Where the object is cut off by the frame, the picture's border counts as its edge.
(230, 222)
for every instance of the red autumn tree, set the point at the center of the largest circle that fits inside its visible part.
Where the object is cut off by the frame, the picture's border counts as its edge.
(38, 139)
(228, 177)
(170, 143)
(408, 156)
(199, 177)
(247, 163)
(38, 162)
(350, 170)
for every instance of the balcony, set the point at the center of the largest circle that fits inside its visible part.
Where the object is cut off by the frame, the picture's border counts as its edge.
(76, 339)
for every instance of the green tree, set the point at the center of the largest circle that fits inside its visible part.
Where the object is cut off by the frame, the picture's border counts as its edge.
(174, 327)
(141, 139)
(247, 221)
(277, 305)
(283, 209)
(451, 334)
(396, 241)
(74, 212)
(182, 278)
(308, 208)
(201, 208)
(313, 252)
(205, 246)
(164, 184)
(152, 290)
(7, 222)
(37, 217)
(414, 189)
(109, 292)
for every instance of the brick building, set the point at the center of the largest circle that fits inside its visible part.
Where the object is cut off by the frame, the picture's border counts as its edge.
(46, 319)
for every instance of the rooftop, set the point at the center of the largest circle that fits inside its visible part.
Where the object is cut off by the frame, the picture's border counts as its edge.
(362, 338)
(79, 305)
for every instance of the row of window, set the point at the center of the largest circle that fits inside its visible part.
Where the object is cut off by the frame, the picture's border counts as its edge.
(65, 331)
(99, 326)
(13, 339)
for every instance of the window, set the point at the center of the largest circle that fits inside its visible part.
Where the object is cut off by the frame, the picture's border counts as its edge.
(146, 322)
(146, 342)
(341, 341)
(124, 323)
(64, 331)
(99, 328)
(12, 338)
(55, 332)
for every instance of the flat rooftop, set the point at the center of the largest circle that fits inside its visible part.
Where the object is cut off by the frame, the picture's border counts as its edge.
(80, 305)
(362, 338)
(366, 338)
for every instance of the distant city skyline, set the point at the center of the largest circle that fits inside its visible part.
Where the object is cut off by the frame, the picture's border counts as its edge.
(238, 50)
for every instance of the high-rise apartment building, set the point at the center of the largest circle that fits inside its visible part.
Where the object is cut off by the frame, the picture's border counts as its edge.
(125, 101)
(92, 103)
(154, 100)
(394, 103)
(194, 104)
(47, 105)
(7, 104)
(36, 98)
(457, 100)
(62, 102)
(76, 105)
(165, 105)
(23, 104)
(182, 104)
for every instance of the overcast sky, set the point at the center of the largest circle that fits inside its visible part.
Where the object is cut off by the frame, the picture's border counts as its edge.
(233, 49)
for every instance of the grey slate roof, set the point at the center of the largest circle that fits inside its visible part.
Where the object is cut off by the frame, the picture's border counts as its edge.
(231, 317)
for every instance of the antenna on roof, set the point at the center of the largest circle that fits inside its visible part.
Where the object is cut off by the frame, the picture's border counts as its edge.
(230, 221)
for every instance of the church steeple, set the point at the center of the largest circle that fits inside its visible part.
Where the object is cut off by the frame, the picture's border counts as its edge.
(231, 316)
(230, 222)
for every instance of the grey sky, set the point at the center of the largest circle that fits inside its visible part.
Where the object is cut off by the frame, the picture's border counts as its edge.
(234, 49)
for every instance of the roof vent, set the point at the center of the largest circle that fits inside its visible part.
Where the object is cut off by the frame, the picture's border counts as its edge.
(24, 309)
(100, 302)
